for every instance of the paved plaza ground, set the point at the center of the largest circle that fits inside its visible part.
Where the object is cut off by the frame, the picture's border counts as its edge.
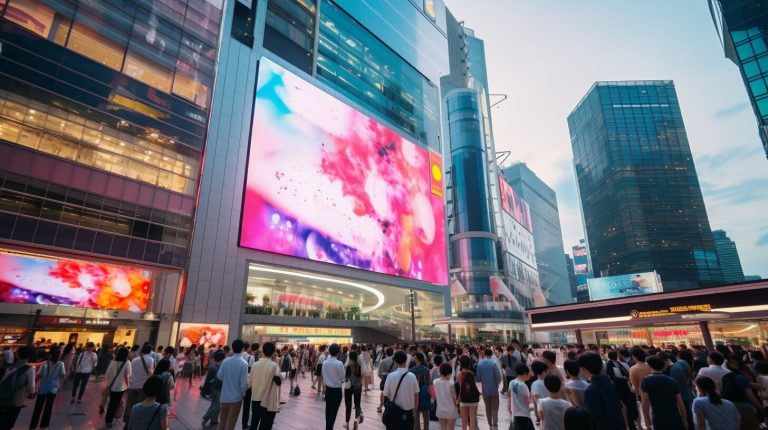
(305, 412)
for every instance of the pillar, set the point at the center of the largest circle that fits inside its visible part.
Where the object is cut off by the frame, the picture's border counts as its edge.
(704, 326)
(579, 337)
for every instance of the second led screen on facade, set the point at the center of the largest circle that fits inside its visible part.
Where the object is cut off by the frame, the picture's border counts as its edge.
(327, 183)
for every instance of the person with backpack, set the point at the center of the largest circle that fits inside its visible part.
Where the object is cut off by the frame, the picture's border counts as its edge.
(18, 381)
(84, 365)
(508, 365)
(469, 395)
(422, 373)
(401, 395)
(737, 389)
(149, 414)
(51, 374)
(618, 371)
(212, 386)
(141, 369)
(386, 366)
(163, 371)
(600, 398)
(117, 377)
(353, 386)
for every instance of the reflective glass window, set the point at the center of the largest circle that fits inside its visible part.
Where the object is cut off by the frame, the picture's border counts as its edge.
(147, 71)
(95, 46)
(757, 87)
(751, 69)
(32, 15)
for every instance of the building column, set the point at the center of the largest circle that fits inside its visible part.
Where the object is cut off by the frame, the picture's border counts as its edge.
(704, 326)
(579, 338)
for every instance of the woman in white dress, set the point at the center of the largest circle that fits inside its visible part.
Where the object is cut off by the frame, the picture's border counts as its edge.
(366, 367)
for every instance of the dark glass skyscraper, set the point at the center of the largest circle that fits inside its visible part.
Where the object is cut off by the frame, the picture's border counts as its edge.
(743, 29)
(729, 257)
(547, 235)
(641, 201)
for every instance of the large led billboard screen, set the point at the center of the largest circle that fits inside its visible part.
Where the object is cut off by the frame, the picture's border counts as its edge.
(327, 183)
(634, 284)
(69, 282)
(512, 204)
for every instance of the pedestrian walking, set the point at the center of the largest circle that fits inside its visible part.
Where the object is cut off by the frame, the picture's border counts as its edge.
(401, 395)
(117, 377)
(445, 398)
(233, 375)
(52, 374)
(469, 395)
(489, 377)
(163, 371)
(575, 386)
(141, 369)
(423, 377)
(17, 381)
(552, 408)
(519, 397)
(84, 365)
(149, 414)
(333, 379)
(264, 379)
(353, 386)
(712, 411)
(212, 385)
(386, 366)
(600, 398)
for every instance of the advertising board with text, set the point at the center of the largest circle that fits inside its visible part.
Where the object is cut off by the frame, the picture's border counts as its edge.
(634, 284)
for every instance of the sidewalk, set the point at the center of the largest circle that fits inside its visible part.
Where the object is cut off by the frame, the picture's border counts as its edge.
(305, 412)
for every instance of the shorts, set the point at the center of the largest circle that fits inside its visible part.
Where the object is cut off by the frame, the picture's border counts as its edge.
(319, 369)
(469, 405)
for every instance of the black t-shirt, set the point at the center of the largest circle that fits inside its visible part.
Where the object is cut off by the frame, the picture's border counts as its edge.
(662, 392)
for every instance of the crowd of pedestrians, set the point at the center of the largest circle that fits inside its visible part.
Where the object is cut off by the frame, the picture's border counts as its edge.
(573, 387)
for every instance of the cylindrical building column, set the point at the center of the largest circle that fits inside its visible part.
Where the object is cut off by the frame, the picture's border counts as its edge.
(704, 326)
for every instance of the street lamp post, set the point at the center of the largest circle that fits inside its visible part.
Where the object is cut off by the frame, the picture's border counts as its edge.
(412, 301)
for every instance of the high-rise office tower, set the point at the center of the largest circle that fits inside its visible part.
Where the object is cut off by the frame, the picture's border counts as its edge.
(104, 109)
(741, 25)
(571, 275)
(640, 196)
(728, 256)
(547, 236)
(581, 270)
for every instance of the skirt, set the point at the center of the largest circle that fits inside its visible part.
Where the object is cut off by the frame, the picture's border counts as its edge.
(319, 369)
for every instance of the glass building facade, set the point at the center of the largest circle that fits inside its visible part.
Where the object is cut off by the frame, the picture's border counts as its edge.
(743, 29)
(729, 257)
(380, 58)
(104, 109)
(640, 195)
(547, 236)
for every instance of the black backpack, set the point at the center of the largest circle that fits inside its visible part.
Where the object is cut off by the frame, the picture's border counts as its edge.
(296, 391)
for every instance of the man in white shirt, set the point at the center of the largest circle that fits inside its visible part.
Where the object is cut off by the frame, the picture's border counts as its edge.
(333, 378)
(141, 369)
(715, 369)
(407, 396)
(84, 365)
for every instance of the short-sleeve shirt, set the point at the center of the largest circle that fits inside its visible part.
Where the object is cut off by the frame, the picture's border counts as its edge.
(519, 392)
(577, 387)
(409, 387)
(718, 417)
(539, 389)
(662, 393)
(554, 413)
(142, 416)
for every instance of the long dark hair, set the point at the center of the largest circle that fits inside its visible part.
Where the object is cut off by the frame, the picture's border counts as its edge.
(68, 349)
(707, 385)
(122, 354)
(55, 354)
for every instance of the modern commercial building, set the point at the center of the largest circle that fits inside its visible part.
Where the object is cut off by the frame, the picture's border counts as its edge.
(571, 275)
(322, 200)
(728, 256)
(640, 195)
(725, 314)
(547, 236)
(741, 25)
(492, 258)
(582, 270)
(104, 112)
(752, 277)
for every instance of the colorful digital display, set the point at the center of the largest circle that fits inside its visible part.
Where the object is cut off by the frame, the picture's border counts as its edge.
(635, 284)
(69, 282)
(327, 183)
(202, 334)
(512, 204)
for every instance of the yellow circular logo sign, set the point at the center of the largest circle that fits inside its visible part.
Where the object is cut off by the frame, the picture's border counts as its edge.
(436, 173)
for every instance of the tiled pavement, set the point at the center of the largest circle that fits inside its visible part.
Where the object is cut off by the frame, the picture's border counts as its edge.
(305, 412)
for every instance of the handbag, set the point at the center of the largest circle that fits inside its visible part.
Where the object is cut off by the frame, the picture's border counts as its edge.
(394, 415)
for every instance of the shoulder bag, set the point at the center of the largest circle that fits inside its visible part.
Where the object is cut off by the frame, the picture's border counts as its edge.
(394, 415)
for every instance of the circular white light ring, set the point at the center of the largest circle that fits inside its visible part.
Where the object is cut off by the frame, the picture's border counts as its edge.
(379, 295)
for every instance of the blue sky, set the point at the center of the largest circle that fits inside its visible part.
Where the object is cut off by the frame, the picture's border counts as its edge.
(546, 54)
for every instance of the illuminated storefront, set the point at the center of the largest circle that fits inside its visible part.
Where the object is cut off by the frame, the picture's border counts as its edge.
(730, 314)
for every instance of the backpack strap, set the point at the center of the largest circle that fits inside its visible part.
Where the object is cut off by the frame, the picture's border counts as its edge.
(116, 375)
(152, 420)
(398, 387)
